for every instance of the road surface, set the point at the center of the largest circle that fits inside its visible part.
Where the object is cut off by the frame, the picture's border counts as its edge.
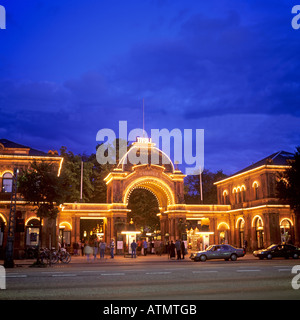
(146, 279)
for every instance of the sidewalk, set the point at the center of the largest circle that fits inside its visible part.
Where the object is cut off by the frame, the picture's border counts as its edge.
(119, 259)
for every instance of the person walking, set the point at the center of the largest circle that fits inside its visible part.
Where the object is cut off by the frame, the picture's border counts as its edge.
(112, 248)
(133, 249)
(178, 249)
(102, 247)
(82, 247)
(172, 250)
(168, 249)
(182, 249)
(145, 245)
(95, 249)
(88, 250)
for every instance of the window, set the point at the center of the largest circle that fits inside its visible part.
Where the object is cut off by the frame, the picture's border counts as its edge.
(7, 182)
(225, 197)
(255, 187)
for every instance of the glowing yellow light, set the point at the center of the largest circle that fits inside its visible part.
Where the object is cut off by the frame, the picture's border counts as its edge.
(223, 223)
(60, 166)
(62, 225)
(31, 218)
(291, 222)
(255, 184)
(238, 220)
(3, 218)
(255, 218)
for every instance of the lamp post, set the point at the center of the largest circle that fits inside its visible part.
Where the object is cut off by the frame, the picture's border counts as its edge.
(9, 249)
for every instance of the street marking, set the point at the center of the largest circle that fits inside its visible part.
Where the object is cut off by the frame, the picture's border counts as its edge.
(16, 275)
(157, 272)
(112, 274)
(206, 271)
(248, 270)
(284, 270)
(64, 275)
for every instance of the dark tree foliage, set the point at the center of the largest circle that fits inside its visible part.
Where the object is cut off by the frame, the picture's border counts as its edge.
(40, 186)
(144, 208)
(209, 190)
(288, 185)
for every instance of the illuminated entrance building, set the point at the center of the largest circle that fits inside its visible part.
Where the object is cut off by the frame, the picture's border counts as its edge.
(247, 206)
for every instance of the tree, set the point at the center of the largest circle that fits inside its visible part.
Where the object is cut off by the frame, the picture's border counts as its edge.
(41, 187)
(288, 186)
(192, 187)
(71, 176)
(144, 208)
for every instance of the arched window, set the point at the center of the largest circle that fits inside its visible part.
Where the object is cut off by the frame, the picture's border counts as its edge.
(223, 228)
(32, 232)
(7, 182)
(234, 191)
(241, 227)
(225, 197)
(257, 223)
(286, 230)
(255, 187)
(239, 194)
(243, 191)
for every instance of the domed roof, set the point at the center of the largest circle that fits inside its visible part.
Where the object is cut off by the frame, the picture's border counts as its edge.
(145, 152)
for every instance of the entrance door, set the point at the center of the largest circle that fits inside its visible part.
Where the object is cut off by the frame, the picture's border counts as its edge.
(91, 229)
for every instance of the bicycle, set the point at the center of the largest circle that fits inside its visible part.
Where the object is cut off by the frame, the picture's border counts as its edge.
(61, 255)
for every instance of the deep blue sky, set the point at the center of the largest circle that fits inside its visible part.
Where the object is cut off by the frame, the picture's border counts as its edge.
(69, 68)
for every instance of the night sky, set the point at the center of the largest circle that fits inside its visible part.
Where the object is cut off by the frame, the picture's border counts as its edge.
(70, 68)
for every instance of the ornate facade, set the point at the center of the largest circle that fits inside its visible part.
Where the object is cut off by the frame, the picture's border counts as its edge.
(14, 155)
(247, 207)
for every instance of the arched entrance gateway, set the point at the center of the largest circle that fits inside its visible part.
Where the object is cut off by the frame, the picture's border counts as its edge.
(145, 167)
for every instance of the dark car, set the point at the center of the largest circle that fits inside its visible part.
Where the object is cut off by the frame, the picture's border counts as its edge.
(278, 251)
(220, 251)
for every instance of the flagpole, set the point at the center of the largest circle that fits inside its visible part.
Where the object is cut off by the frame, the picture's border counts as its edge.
(81, 181)
(201, 191)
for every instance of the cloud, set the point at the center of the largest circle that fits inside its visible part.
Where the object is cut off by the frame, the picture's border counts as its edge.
(228, 68)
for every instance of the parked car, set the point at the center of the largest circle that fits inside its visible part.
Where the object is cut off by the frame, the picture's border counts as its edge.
(220, 251)
(278, 250)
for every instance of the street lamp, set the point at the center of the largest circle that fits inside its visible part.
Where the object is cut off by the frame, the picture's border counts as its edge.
(9, 249)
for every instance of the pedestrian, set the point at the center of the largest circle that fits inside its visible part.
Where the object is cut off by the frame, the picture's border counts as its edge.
(112, 248)
(168, 249)
(245, 245)
(145, 245)
(82, 247)
(172, 250)
(182, 249)
(95, 249)
(133, 249)
(88, 250)
(161, 248)
(102, 247)
(178, 249)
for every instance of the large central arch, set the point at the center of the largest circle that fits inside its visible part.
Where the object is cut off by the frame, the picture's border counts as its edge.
(136, 170)
(161, 190)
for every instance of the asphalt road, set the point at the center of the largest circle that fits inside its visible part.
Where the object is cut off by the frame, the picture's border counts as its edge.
(154, 279)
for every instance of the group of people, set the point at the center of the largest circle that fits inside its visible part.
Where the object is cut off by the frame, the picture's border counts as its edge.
(92, 249)
(176, 249)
